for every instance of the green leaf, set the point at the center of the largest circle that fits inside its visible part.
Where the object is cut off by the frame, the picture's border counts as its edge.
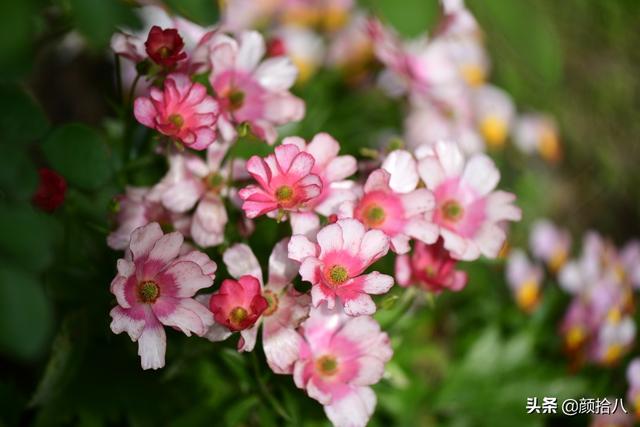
(18, 175)
(97, 20)
(26, 236)
(21, 118)
(521, 31)
(79, 154)
(203, 12)
(25, 314)
(423, 17)
(16, 33)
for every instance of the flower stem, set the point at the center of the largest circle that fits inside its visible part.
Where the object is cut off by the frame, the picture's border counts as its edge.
(265, 392)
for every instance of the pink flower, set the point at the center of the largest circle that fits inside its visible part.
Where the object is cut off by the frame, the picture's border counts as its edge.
(550, 244)
(524, 279)
(238, 303)
(285, 179)
(339, 358)
(154, 287)
(182, 110)
(134, 209)
(429, 267)
(335, 265)
(468, 211)
(192, 182)
(392, 204)
(286, 307)
(164, 47)
(332, 170)
(252, 91)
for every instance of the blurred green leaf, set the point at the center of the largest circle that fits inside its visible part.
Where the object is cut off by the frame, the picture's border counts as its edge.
(21, 118)
(203, 12)
(526, 33)
(79, 154)
(18, 175)
(422, 17)
(26, 236)
(25, 314)
(16, 28)
(97, 20)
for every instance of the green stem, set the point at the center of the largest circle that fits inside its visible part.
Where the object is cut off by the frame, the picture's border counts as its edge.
(402, 308)
(265, 392)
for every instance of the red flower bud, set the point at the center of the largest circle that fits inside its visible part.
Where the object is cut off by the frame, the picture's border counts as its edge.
(51, 191)
(276, 47)
(164, 47)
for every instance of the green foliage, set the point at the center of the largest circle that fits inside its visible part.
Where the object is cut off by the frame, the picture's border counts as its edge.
(79, 154)
(422, 18)
(97, 20)
(203, 12)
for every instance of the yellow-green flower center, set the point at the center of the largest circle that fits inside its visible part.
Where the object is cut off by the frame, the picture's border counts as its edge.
(236, 99)
(452, 210)
(214, 181)
(238, 315)
(327, 365)
(177, 120)
(338, 274)
(374, 215)
(284, 193)
(148, 291)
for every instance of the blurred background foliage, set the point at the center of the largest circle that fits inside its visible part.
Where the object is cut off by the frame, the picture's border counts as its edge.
(467, 359)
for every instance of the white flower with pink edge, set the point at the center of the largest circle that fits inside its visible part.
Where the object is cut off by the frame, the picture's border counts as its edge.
(250, 90)
(340, 357)
(468, 210)
(335, 265)
(393, 204)
(154, 287)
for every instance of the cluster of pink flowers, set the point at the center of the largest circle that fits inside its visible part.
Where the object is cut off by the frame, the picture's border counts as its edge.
(598, 325)
(429, 206)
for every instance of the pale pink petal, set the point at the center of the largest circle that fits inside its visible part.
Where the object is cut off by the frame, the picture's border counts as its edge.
(431, 172)
(418, 201)
(282, 270)
(300, 248)
(310, 270)
(340, 168)
(400, 244)
(281, 349)
(403, 270)
(490, 239)
(251, 50)
(152, 346)
(183, 195)
(122, 321)
(450, 158)
(143, 239)
(183, 279)
(145, 111)
(353, 235)
(217, 333)
(360, 305)
(481, 174)
(330, 238)
(216, 153)
(354, 409)
(375, 245)
(204, 136)
(277, 74)
(248, 338)
(500, 208)
(241, 261)
(324, 148)
(305, 223)
(376, 283)
(185, 314)
(403, 170)
(377, 180)
(166, 248)
(422, 230)
(281, 108)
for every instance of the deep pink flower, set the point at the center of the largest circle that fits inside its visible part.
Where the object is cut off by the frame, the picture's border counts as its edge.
(182, 110)
(392, 203)
(164, 47)
(468, 211)
(154, 287)
(250, 90)
(285, 179)
(51, 190)
(286, 307)
(431, 268)
(134, 209)
(340, 358)
(238, 304)
(332, 170)
(335, 265)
